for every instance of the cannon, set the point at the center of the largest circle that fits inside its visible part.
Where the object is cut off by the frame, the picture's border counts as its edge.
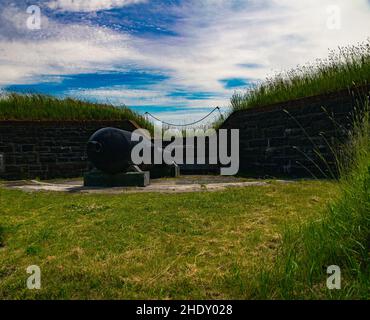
(109, 151)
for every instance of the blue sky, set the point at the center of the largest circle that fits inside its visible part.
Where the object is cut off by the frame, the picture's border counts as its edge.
(175, 58)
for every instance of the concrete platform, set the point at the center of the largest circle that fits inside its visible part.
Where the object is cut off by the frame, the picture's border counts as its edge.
(176, 185)
(98, 179)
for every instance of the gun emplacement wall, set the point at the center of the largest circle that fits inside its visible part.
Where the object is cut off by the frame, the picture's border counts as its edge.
(295, 138)
(48, 149)
(277, 140)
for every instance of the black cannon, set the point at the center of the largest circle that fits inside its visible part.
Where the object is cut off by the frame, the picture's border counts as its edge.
(109, 150)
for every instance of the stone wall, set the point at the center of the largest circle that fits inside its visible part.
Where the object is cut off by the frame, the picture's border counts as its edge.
(48, 149)
(293, 139)
(296, 138)
(195, 168)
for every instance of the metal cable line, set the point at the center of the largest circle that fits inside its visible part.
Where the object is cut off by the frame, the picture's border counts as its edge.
(184, 125)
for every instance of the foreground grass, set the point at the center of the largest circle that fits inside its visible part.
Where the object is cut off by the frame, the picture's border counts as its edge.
(201, 245)
(340, 237)
(346, 68)
(40, 107)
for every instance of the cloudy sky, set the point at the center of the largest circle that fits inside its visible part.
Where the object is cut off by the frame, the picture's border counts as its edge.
(175, 58)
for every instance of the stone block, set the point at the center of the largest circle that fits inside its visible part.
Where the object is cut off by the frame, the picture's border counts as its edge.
(97, 178)
(164, 171)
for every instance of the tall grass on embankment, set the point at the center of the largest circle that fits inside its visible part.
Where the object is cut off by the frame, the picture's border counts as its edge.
(344, 68)
(341, 237)
(41, 107)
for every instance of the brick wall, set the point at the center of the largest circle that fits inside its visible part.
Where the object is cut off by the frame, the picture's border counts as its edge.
(48, 149)
(286, 138)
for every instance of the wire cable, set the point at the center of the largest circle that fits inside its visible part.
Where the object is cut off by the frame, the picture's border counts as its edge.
(184, 125)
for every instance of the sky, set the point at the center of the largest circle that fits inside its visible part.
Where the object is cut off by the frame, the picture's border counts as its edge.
(177, 59)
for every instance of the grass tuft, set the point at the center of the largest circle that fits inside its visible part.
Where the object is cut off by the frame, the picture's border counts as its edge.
(345, 68)
(39, 107)
(340, 237)
(2, 236)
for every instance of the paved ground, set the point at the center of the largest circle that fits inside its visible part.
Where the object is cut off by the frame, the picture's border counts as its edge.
(178, 185)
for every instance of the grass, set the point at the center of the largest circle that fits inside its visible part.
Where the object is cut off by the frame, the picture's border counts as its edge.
(341, 236)
(272, 242)
(154, 246)
(41, 107)
(345, 68)
(2, 236)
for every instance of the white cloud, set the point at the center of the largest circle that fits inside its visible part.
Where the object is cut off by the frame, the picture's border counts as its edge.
(89, 5)
(214, 38)
(277, 34)
(152, 96)
(57, 49)
(155, 96)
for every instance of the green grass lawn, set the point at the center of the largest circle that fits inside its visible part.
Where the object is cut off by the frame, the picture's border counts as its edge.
(155, 246)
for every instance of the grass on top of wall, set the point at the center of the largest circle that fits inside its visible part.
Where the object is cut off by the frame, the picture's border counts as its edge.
(39, 107)
(344, 68)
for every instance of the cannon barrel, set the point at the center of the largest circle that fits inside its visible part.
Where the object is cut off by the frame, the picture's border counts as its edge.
(109, 150)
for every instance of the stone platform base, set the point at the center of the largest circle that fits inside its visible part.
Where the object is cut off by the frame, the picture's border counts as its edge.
(183, 184)
(163, 171)
(130, 179)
